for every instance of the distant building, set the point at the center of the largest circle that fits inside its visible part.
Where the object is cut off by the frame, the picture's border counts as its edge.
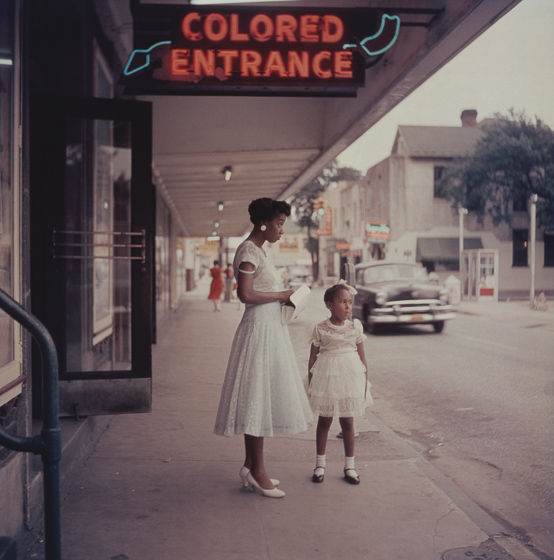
(291, 248)
(339, 230)
(398, 212)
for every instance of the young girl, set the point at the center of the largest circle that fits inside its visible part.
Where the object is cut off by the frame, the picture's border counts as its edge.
(337, 377)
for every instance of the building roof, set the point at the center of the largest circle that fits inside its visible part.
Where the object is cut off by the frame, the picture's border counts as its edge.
(437, 141)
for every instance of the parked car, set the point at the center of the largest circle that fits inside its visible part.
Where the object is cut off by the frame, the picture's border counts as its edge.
(297, 275)
(399, 294)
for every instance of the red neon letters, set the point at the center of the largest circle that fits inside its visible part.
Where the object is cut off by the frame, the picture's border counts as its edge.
(310, 28)
(248, 60)
(322, 65)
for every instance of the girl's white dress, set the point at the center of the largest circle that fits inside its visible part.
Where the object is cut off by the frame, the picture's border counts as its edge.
(263, 393)
(339, 377)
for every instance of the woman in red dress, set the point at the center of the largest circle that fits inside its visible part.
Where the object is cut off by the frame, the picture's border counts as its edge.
(216, 286)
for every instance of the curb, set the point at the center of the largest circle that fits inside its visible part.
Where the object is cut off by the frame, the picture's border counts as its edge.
(475, 513)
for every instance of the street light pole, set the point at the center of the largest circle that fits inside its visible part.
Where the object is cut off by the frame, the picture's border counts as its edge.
(532, 237)
(461, 213)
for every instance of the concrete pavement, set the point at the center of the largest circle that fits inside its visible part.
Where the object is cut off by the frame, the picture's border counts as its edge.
(162, 486)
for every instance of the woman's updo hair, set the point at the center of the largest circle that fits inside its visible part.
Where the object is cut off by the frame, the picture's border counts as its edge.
(265, 209)
(330, 293)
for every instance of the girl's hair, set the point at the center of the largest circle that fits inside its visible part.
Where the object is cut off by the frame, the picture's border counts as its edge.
(265, 209)
(331, 292)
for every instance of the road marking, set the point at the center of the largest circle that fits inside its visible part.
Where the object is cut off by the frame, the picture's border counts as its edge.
(390, 358)
(490, 342)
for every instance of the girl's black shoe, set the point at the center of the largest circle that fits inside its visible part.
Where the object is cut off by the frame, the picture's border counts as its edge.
(351, 476)
(318, 477)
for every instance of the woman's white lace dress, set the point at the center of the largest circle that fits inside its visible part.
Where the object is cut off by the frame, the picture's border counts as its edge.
(262, 394)
(338, 382)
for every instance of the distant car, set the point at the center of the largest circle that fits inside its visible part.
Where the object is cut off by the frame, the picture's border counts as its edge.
(297, 275)
(399, 294)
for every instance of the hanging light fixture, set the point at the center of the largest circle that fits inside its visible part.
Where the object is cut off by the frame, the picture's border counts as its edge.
(216, 224)
(220, 206)
(227, 171)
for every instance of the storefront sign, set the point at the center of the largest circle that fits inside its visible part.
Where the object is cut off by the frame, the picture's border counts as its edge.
(289, 247)
(326, 222)
(280, 51)
(209, 247)
(375, 231)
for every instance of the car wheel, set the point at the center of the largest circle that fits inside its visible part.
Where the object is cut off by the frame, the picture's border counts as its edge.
(439, 327)
(373, 328)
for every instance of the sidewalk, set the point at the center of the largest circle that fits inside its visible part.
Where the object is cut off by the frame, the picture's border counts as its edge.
(161, 486)
(518, 312)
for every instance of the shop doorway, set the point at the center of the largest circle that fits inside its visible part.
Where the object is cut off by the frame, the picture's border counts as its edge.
(94, 236)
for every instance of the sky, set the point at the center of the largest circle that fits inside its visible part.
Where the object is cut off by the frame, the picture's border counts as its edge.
(511, 65)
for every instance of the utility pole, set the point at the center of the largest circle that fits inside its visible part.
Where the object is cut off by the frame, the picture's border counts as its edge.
(461, 213)
(532, 237)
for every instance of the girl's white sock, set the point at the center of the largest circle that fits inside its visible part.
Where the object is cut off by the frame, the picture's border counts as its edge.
(320, 465)
(349, 463)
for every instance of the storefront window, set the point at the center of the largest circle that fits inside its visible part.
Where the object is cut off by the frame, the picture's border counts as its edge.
(163, 256)
(520, 238)
(549, 248)
(9, 370)
(97, 267)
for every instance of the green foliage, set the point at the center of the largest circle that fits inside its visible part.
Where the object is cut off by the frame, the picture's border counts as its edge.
(513, 159)
(303, 203)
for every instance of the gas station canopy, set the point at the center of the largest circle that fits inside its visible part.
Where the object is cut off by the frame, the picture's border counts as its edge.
(255, 99)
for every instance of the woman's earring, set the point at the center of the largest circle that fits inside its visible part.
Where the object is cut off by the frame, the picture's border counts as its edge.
(263, 228)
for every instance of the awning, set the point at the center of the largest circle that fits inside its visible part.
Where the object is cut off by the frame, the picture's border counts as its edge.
(337, 245)
(444, 248)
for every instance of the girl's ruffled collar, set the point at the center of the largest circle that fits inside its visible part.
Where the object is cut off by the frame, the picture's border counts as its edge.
(338, 327)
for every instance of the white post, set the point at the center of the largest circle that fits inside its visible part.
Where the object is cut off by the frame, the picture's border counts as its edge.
(532, 237)
(461, 212)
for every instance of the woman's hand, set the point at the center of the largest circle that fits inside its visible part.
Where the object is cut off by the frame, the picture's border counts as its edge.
(284, 297)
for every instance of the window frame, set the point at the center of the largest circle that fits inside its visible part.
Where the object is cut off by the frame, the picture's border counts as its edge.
(548, 249)
(438, 193)
(11, 378)
(517, 260)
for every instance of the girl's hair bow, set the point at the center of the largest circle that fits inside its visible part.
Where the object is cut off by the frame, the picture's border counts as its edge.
(352, 290)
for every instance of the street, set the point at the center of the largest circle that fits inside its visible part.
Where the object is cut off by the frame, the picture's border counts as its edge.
(445, 434)
(476, 401)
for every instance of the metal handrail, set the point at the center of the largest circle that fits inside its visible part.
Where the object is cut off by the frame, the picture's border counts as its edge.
(48, 443)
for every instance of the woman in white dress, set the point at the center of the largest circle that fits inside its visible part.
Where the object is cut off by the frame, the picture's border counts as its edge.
(262, 394)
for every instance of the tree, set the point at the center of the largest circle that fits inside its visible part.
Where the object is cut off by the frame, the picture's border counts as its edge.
(303, 204)
(513, 159)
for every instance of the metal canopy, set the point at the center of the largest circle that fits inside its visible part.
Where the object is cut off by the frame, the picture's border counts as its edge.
(275, 145)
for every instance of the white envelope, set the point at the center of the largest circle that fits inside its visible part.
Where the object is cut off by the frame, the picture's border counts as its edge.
(297, 304)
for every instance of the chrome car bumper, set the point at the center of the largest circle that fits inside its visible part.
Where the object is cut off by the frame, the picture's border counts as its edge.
(410, 311)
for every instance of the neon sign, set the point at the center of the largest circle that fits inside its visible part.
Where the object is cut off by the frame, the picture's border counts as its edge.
(182, 50)
(375, 231)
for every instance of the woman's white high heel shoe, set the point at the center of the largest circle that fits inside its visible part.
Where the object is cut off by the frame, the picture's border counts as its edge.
(244, 472)
(273, 493)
